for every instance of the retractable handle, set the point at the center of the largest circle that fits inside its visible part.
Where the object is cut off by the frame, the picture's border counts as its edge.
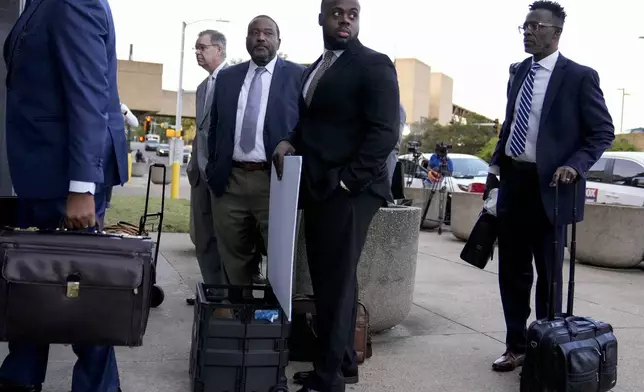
(573, 252)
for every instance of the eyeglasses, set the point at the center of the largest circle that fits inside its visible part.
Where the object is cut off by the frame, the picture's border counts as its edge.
(535, 26)
(202, 48)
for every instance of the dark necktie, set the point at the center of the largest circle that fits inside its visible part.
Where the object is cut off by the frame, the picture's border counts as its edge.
(328, 60)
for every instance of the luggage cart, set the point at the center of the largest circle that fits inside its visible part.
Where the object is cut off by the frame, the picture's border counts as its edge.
(157, 295)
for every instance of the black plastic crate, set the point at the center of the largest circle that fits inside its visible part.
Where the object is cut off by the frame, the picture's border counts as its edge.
(242, 353)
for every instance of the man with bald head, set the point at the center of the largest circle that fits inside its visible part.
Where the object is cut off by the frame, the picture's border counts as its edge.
(349, 124)
(255, 105)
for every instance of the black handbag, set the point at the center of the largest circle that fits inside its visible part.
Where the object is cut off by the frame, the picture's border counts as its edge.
(479, 248)
(566, 353)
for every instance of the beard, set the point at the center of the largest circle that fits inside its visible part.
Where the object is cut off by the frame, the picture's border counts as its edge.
(333, 43)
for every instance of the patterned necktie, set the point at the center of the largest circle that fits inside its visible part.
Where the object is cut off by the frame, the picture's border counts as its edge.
(251, 114)
(328, 60)
(520, 132)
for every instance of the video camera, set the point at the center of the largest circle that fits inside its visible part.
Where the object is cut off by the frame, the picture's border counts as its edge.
(442, 149)
(413, 146)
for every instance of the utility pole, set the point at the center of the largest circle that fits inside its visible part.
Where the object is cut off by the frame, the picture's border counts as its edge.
(176, 142)
(621, 123)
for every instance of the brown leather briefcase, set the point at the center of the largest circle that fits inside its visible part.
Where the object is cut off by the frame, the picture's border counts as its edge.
(303, 331)
(63, 287)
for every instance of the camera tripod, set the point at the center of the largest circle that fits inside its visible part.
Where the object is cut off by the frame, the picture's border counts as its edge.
(441, 186)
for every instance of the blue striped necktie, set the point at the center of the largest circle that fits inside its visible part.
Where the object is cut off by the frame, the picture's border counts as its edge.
(520, 132)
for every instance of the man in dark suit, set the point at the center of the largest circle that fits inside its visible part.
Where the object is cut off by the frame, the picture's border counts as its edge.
(556, 127)
(210, 51)
(255, 105)
(65, 142)
(349, 124)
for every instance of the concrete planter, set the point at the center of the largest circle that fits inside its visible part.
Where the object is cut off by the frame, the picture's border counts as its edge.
(157, 175)
(387, 267)
(466, 208)
(139, 169)
(419, 197)
(610, 236)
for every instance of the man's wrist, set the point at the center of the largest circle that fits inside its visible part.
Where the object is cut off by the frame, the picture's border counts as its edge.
(82, 187)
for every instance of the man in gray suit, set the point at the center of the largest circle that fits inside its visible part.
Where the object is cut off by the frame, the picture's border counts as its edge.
(210, 50)
(393, 155)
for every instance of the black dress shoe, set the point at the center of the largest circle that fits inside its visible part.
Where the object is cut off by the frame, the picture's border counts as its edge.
(190, 301)
(301, 377)
(7, 386)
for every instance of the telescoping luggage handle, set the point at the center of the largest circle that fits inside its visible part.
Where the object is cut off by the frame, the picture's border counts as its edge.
(573, 251)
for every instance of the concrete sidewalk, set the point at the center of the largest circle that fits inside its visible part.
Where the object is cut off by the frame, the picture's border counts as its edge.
(447, 344)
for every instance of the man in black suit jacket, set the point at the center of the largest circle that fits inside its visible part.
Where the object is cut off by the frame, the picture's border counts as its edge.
(348, 125)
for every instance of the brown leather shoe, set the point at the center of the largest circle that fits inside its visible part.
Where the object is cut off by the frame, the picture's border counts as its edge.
(508, 362)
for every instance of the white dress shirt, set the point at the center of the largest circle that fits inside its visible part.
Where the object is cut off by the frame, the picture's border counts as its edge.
(211, 83)
(337, 53)
(541, 80)
(258, 154)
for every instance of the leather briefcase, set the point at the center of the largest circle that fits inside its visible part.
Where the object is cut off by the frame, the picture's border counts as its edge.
(303, 331)
(64, 287)
(479, 248)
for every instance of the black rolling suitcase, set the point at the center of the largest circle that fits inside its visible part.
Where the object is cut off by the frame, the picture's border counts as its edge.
(568, 353)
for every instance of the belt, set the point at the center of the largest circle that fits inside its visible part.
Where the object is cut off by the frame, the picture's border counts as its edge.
(521, 165)
(251, 166)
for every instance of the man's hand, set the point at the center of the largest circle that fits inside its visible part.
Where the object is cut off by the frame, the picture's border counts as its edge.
(565, 175)
(491, 183)
(80, 213)
(282, 149)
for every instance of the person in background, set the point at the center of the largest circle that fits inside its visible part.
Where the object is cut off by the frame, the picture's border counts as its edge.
(130, 122)
(393, 156)
(255, 105)
(65, 143)
(558, 105)
(210, 53)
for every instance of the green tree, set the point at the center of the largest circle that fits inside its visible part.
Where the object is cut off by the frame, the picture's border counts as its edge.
(464, 139)
(485, 153)
(622, 144)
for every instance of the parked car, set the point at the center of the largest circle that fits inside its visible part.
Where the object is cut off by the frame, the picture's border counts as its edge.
(469, 170)
(151, 144)
(617, 178)
(187, 153)
(163, 150)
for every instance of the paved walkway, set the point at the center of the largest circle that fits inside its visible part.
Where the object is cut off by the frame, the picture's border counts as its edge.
(447, 343)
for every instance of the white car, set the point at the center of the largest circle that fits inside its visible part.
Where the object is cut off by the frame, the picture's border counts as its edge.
(468, 170)
(617, 178)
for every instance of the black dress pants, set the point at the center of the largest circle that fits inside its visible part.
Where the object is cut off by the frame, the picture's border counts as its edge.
(336, 230)
(525, 231)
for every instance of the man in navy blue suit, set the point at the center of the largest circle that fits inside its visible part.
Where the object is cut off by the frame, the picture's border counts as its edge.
(65, 144)
(255, 105)
(556, 127)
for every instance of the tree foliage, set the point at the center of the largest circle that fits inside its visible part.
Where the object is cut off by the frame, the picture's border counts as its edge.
(465, 138)
(622, 144)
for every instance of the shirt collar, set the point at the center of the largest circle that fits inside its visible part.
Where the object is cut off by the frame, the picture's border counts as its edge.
(270, 67)
(216, 71)
(549, 62)
(337, 53)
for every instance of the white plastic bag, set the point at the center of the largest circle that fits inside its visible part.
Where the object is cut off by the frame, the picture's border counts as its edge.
(490, 202)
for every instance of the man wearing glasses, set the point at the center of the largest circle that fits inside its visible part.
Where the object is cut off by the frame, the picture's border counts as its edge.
(556, 105)
(210, 50)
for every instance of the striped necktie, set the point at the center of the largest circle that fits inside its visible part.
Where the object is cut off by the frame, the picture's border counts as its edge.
(520, 131)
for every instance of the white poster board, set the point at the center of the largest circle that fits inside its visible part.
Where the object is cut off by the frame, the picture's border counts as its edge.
(282, 222)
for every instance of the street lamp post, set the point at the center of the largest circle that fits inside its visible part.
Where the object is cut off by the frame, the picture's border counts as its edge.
(176, 143)
(621, 123)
